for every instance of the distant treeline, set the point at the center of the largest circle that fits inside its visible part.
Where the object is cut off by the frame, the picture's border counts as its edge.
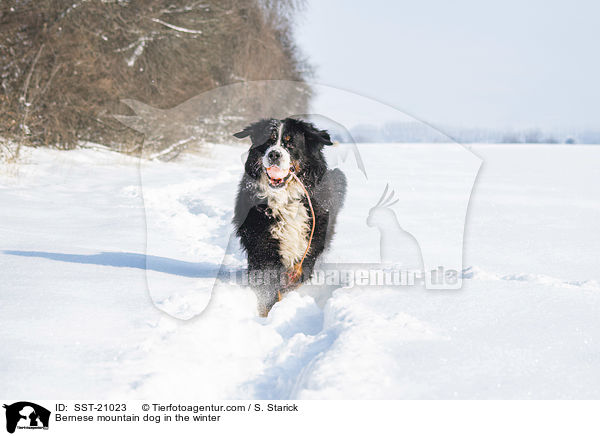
(421, 132)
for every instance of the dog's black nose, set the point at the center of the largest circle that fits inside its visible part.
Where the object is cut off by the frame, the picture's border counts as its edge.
(274, 156)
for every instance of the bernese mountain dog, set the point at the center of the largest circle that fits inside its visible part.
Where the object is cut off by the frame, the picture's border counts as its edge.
(287, 205)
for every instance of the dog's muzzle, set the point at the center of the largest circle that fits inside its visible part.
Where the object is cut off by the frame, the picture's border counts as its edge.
(276, 162)
(277, 177)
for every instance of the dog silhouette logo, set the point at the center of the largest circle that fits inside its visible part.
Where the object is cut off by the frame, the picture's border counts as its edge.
(26, 415)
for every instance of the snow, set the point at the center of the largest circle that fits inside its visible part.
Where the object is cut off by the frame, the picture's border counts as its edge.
(108, 266)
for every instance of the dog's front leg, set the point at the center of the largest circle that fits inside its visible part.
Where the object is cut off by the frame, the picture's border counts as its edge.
(267, 285)
(265, 269)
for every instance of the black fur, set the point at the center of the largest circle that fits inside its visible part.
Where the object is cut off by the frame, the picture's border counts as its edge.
(253, 217)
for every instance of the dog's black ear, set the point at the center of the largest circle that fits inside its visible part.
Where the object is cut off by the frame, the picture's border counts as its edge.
(246, 132)
(259, 131)
(323, 137)
(315, 136)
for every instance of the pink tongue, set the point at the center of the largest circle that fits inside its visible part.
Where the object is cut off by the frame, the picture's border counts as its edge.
(276, 173)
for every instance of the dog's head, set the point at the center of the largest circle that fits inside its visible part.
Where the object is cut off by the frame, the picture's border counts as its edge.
(280, 147)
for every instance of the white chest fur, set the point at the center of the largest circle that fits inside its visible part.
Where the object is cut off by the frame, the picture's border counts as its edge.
(292, 221)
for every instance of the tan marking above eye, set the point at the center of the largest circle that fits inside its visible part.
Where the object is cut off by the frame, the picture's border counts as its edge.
(287, 138)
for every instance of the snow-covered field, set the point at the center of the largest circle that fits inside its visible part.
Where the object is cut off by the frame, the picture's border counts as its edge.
(86, 314)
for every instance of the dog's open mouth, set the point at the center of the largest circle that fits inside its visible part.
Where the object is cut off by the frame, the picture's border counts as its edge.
(277, 176)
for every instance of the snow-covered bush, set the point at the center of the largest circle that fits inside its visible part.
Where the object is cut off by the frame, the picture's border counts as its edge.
(66, 64)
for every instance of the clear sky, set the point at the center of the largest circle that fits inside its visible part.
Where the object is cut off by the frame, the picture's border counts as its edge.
(463, 63)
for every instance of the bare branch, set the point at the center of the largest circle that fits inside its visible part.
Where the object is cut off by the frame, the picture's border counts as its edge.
(28, 79)
(179, 29)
